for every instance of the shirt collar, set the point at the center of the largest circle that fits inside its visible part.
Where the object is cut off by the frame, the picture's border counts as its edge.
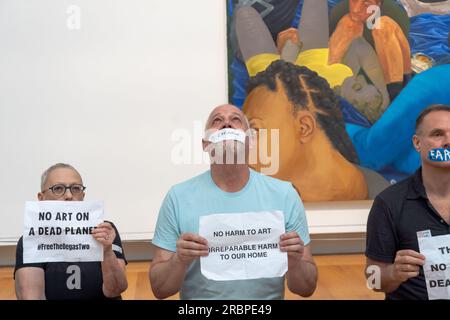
(416, 189)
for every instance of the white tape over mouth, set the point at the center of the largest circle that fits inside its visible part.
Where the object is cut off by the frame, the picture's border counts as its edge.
(227, 134)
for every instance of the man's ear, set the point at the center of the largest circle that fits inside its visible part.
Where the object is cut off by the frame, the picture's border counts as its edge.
(40, 196)
(306, 125)
(205, 144)
(416, 142)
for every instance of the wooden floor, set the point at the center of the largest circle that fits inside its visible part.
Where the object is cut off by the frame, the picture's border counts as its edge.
(340, 277)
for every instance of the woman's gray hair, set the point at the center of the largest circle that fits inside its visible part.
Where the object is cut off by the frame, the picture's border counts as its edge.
(44, 176)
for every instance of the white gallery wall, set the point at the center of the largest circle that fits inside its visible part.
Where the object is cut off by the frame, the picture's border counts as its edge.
(107, 86)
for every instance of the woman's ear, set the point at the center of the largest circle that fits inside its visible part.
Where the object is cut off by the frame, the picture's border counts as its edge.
(306, 125)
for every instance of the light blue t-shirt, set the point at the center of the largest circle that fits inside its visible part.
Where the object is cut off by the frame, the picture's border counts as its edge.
(185, 203)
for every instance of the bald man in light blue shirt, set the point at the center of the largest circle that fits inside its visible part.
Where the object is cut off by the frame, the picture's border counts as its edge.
(227, 188)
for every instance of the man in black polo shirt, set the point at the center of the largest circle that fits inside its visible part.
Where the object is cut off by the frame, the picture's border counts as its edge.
(421, 202)
(72, 280)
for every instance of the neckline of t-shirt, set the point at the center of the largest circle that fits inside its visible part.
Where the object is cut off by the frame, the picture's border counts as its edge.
(232, 194)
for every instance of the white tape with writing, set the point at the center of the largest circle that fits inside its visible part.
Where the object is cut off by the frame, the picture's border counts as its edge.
(227, 134)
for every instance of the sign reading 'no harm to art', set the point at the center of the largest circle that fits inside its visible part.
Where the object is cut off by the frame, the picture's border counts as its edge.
(57, 231)
(243, 246)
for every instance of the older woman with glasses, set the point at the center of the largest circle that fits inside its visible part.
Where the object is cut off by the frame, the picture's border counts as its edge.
(56, 280)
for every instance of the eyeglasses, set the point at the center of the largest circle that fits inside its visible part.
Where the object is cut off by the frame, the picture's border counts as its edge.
(60, 189)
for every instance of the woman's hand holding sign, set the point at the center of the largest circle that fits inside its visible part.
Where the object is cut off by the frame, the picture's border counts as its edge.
(105, 234)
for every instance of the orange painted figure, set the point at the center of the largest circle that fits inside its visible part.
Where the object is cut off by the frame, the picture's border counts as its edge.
(391, 45)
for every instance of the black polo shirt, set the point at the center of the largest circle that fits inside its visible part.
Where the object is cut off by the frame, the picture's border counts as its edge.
(397, 214)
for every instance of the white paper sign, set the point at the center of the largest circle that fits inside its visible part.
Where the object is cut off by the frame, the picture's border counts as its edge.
(243, 246)
(56, 231)
(437, 265)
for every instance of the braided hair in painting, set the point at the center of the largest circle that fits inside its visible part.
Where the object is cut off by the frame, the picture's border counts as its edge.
(306, 90)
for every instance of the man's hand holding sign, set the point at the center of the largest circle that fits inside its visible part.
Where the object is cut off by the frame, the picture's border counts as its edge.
(407, 265)
(293, 245)
(297, 265)
(190, 247)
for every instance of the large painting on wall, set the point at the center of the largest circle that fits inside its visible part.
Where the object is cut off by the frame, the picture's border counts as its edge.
(342, 82)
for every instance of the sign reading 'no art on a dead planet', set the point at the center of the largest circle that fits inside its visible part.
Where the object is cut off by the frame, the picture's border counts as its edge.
(61, 231)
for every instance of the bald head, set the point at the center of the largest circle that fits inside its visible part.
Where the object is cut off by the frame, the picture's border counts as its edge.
(227, 116)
